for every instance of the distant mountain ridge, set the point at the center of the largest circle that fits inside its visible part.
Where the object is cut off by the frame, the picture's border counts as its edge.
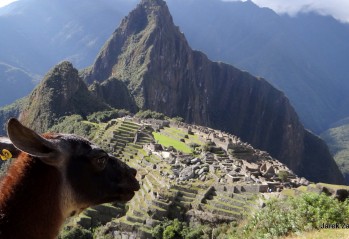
(151, 55)
(15, 83)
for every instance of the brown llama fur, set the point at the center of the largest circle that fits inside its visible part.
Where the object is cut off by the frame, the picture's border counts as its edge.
(23, 214)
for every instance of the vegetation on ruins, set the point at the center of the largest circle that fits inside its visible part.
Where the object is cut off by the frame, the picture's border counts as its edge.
(148, 114)
(283, 175)
(105, 116)
(172, 229)
(75, 232)
(75, 124)
(281, 217)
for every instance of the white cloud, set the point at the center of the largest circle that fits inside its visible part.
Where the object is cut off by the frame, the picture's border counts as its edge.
(339, 9)
(6, 2)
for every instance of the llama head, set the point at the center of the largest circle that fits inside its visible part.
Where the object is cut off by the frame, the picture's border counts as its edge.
(89, 175)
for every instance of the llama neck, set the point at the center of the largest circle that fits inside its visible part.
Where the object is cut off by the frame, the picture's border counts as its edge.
(29, 200)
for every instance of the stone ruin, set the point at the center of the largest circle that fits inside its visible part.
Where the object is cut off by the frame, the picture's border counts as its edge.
(214, 185)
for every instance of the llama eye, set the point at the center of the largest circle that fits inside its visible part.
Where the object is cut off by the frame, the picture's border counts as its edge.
(101, 162)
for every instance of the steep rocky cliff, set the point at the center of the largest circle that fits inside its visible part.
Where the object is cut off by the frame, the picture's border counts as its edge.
(151, 55)
(114, 92)
(62, 92)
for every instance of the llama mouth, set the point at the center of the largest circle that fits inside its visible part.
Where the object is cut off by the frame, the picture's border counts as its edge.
(128, 194)
(132, 187)
(127, 197)
(124, 192)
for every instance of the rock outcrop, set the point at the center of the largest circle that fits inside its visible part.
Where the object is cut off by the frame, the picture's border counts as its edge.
(162, 72)
(62, 92)
(114, 92)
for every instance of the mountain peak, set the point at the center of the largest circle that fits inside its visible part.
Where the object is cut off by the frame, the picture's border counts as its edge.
(153, 3)
(130, 50)
(63, 75)
(62, 92)
(147, 15)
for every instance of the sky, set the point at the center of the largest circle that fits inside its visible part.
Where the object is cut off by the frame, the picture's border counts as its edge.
(339, 9)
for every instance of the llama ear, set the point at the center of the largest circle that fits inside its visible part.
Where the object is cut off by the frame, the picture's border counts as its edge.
(30, 142)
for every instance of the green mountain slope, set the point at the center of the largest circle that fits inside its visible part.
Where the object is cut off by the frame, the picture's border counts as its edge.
(9, 111)
(337, 139)
(61, 93)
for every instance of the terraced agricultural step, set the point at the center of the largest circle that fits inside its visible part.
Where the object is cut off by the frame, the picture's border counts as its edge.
(131, 150)
(129, 226)
(145, 232)
(242, 196)
(120, 131)
(119, 144)
(230, 201)
(90, 212)
(152, 222)
(187, 194)
(225, 206)
(138, 204)
(108, 209)
(139, 213)
(158, 213)
(127, 129)
(157, 179)
(145, 140)
(185, 189)
(210, 161)
(228, 164)
(183, 204)
(161, 204)
(127, 154)
(92, 218)
(147, 185)
(124, 134)
(118, 140)
(130, 125)
(84, 221)
(135, 219)
(184, 199)
(122, 138)
(222, 212)
(135, 146)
